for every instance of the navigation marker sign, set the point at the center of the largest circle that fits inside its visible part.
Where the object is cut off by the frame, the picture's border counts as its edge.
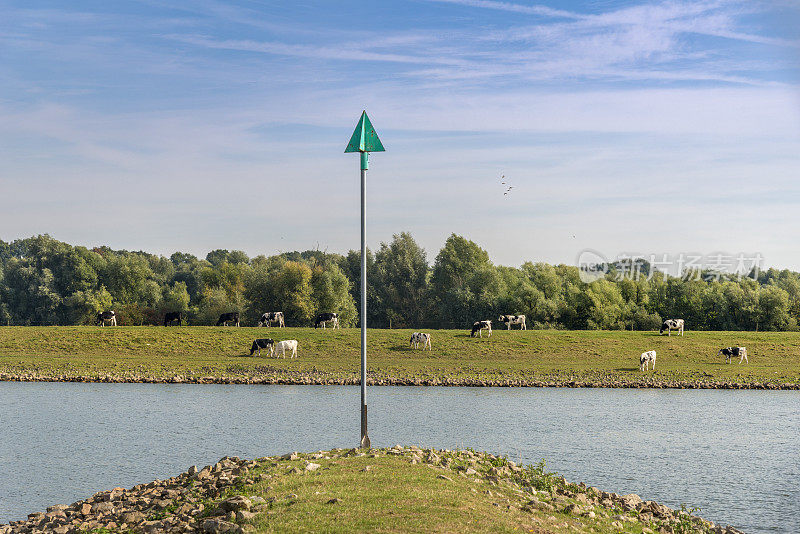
(364, 140)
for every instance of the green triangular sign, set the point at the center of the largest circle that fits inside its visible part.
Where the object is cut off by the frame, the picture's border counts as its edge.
(364, 138)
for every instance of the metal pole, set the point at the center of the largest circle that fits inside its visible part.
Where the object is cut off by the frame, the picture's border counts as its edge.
(364, 437)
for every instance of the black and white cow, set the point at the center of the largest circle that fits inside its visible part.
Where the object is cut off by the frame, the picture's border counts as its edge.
(225, 318)
(479, 326)
(107, 316)
(324, 318)
(513, 319)
(672, 324)
(421, 338)
(266, 344)
(732, 352)
(173, 316)
(646, 358)
(271, 317)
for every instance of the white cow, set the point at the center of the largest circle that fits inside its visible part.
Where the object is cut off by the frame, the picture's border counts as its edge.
(480, 326)
(271, 317)
(646, 358)
(107, 316)
(732, 352)
(418, 338)
(282, 346)
(513, 319)
(672, 324)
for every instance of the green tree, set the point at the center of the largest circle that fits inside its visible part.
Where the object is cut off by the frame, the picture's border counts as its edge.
(401, 269)
(331, 293)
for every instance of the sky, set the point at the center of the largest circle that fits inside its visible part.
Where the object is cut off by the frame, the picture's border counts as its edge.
(648, 127)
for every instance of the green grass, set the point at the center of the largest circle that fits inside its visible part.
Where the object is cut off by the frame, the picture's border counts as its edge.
(333, 355)
(379, 491)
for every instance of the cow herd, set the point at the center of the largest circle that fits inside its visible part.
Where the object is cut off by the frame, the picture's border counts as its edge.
(418, 339)
(669, 325)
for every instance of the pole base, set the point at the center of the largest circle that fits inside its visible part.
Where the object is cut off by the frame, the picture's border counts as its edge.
(364, 437)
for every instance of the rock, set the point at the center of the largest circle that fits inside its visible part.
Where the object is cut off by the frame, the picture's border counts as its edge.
(234, 504)
(244, 515)
(152, 527)
(571, 509)
(311, 466)
(630, 502)
(215, 526)
(255, 499)
(444, 477)
(203, 474)
(85, 509)
(57, 508)
(192, 470)
(471, 471)
(132, 517)
(290, 456)
(102, 507)
(335, 500)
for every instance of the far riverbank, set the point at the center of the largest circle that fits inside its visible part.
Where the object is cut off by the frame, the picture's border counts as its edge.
(532, 358)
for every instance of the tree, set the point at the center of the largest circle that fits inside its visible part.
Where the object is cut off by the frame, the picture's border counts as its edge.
(608, 308)
(457, 272)
(331, 293)
(401, 268)
(351, 267)
(175, 298)
(215, 257)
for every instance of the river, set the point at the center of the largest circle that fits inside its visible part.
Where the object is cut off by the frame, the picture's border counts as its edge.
(733, 454)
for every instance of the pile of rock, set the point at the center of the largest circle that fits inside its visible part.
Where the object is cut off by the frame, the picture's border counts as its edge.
(174, 505)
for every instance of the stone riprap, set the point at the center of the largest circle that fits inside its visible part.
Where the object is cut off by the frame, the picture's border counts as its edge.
(299, 378)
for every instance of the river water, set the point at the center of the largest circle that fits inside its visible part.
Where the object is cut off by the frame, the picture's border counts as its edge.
(733, 454)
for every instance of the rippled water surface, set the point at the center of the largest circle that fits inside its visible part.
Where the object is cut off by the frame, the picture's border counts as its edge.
(734, 454)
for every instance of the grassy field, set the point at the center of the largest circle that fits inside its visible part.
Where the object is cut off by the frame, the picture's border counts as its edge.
(333, 355)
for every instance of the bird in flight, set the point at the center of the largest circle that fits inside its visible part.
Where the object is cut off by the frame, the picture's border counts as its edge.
(508, 188)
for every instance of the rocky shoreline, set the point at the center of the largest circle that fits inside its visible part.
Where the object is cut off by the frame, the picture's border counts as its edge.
(219, 498)
(330, 379)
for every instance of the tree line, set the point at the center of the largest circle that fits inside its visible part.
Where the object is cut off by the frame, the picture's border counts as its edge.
(44, 281)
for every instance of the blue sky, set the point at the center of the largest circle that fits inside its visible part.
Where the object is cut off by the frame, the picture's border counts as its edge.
(647, 127)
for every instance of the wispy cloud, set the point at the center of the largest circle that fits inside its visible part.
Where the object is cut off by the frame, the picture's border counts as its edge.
(511, 7)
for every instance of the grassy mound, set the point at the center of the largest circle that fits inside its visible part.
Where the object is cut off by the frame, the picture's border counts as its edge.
(402, 489)
(332, 356)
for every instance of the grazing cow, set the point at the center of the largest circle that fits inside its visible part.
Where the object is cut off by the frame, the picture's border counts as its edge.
(225, 318)
(670, 325)
(271, 317)
(513, 319)
(283, 346)
(646, 358)
(480, 326)
(266, 344)
(418, 338)
(732, 352)
(325, 318)
(108, 316)
(172, 316)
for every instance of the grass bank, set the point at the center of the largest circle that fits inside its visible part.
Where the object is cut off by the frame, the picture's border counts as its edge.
(516, 358)
(402, 489)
